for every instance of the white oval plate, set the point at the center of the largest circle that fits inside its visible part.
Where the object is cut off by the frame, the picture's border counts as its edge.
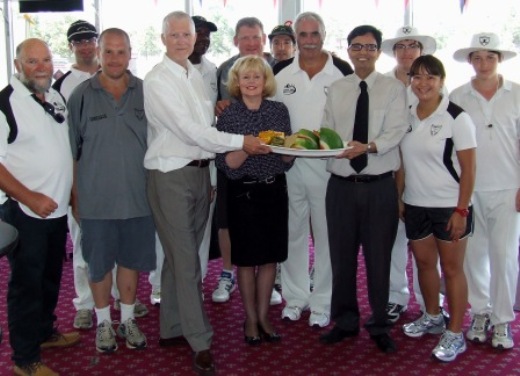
(308, 153)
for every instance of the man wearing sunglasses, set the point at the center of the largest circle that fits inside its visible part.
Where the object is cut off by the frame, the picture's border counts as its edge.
(36, 175)
(368, 109)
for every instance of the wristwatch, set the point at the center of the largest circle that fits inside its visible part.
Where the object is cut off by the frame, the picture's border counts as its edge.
(369, 148)
(462, 212)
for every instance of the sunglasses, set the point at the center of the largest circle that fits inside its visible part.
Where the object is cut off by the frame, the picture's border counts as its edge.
(50, 109)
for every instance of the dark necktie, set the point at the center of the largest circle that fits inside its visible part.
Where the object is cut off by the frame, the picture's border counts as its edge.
(361, 127)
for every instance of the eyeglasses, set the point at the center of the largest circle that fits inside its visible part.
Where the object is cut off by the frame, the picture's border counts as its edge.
(83, 42)
(404, 47)
(359, 47)
(50, 109)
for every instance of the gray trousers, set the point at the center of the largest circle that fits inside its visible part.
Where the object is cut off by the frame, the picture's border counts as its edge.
(180, 202)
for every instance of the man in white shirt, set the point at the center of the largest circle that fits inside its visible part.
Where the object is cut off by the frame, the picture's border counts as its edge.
(491, 263)
(302, 84)
(181, 141)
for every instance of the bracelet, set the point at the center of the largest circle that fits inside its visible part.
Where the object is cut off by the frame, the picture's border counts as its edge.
(462, 212)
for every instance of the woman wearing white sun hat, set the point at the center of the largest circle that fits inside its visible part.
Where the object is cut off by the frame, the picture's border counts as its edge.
(407, 45)
(491, 263)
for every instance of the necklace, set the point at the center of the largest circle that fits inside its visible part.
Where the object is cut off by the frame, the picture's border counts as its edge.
(487, 116)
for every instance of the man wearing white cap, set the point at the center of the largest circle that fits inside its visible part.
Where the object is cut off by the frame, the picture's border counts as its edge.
(407, 45)
(491, 263)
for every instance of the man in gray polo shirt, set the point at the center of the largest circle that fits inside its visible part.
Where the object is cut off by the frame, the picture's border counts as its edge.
(108, 138)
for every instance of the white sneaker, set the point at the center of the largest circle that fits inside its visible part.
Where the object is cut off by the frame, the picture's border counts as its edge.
(155, 297)
(502, 337)
(478, 329)
(449, 346)
(276, 298)
(292, 313)
(320, 319)
(226, 285)
(105, 338)
(135, 339)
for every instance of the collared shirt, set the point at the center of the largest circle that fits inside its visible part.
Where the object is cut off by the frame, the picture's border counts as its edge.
(497, 123)
(108, 139)
(304, 97)
(387, 121)
(208, 70)
(180, 115)
(68, 82)
(425, 147)
(40, 156)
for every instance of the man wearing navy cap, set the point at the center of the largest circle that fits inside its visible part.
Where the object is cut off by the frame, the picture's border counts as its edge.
(282, 42)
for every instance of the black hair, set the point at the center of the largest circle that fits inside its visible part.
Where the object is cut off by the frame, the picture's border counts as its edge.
(430, 64)
(366, 29)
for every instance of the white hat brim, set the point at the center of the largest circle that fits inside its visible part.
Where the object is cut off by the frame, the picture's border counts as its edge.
(463, 53)
(428, 43)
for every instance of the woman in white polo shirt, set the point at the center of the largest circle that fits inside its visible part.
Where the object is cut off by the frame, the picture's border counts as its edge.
(438, 153)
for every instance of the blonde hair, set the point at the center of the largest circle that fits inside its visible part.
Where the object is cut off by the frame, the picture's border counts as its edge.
(248, 64)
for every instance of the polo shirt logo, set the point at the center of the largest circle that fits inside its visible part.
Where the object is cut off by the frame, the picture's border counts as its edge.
(289, 89)
(139, 113)
(98, 117)
(409, 129)
(435, 129)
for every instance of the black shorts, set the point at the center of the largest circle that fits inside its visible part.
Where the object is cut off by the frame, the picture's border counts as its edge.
(422, 222)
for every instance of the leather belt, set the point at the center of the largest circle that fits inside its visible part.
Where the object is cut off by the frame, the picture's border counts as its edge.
(199, 163)
(267, 180)
(365, 178)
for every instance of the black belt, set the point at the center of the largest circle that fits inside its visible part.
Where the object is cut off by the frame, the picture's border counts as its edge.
(199, 163)
(267, 180)
(365, 178)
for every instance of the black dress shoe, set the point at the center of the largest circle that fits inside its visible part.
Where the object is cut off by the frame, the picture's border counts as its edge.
(171, 342)
(385, 343)
(269, 337)
(203, 363)
(337, 334)
(251, 340)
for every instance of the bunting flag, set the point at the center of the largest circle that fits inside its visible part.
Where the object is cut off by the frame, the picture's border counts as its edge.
(225, 1)
(274, 3)
(200, 3)
(320, 2)
(463, 4)
(406, 3)
(377, 3)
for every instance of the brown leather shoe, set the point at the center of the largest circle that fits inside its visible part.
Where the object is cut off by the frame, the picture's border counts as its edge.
(203, 363)
(58, 339)
(173, 341)
(34, 369)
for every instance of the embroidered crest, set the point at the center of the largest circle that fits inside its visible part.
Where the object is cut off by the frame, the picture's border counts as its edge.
(435, 129)
(407, 30)
(484, 40)
(139, 113)
(289, 89)
(409, 129)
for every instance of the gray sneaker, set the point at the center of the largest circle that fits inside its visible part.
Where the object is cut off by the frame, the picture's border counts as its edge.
(135, 339)
(502, 337)
(105, 338)
(83, 319)
(478, 329)
(425, 324)
(450, 345)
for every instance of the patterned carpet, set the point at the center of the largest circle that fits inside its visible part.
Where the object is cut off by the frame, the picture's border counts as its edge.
(299, 353)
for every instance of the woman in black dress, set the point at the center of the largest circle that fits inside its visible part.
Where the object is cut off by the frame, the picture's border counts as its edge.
(257, 192)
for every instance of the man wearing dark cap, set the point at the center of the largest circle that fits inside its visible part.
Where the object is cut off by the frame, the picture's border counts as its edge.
(282, 42)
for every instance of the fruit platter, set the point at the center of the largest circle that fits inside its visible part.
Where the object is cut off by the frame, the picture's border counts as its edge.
(305, 143)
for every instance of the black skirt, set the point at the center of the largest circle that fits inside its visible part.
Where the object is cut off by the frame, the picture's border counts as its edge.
(258, 213)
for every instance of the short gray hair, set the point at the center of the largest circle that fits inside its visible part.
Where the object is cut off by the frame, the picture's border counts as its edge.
(310, 16)
(249, 22)
(174, 16)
